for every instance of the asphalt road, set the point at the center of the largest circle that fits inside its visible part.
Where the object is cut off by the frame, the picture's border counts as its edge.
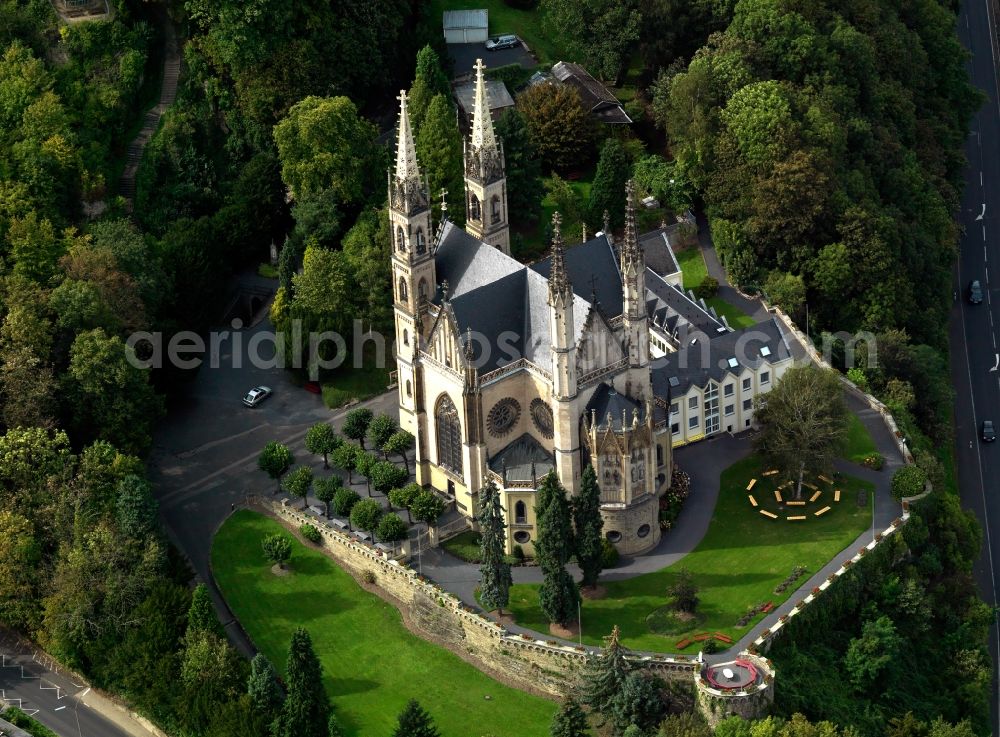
(975, 329)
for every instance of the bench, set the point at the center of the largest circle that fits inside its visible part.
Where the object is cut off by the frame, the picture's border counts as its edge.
(751, 484)
(824, 478)
(772, 515)
(836, 495)
(723, 638)
(815, 496)
(767, 607)
(824, 510)
(681, 644)
(772, 472)
(795, 503)
(795, 517)
(702, 637)
(777, 495)
(752, 500)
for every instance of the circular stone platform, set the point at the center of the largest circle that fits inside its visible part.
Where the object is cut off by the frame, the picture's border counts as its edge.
(735, 674)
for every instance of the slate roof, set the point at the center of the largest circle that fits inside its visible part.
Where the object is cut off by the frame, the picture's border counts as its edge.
(592, 267)
(517, 459)
(465, 19)
(497, 97)
(675, 373)
(606, 400)
(659, 250)
(596, 97)
(671, 309)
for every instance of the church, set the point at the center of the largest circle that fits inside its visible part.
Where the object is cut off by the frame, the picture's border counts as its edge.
(590, 356)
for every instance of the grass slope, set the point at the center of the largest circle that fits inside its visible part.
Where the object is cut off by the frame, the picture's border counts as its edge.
(742, 557)
(372, 664)
(859, 443)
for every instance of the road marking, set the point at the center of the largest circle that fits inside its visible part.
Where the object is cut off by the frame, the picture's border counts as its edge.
(59, 708)
(997, 364)
(87, 691)
(983, 213)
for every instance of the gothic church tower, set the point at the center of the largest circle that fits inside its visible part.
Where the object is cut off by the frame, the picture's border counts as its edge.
(562, 328)
(413, 277)
(634, 316)
(485, 178)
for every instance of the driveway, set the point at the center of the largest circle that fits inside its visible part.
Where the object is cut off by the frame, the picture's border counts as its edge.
(204, 457)
(464, 57)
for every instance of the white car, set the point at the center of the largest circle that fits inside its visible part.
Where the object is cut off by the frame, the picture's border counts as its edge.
(256, 395)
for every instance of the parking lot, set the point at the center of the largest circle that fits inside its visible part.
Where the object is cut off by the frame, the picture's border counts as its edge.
(464, 56)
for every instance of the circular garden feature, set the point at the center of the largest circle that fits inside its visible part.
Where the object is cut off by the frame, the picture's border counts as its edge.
(776, 499)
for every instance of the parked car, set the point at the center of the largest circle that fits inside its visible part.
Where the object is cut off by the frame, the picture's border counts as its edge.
(502, 42)
(975, 292)
(256, 395)
(989, 433)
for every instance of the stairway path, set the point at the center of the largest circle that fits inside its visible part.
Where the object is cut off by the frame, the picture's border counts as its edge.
(168, 93)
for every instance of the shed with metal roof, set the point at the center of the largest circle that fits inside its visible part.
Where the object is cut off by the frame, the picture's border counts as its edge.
(466, 26)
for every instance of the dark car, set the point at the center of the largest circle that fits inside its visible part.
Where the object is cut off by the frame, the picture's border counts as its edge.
(501, 42)
(989, 434)
(975, 292)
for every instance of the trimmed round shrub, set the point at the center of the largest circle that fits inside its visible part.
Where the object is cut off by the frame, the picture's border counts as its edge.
(344, 501)
(391, 528)
(609, 555)
(366, 514)
(874, 461)
(311, 534)
(908, 481)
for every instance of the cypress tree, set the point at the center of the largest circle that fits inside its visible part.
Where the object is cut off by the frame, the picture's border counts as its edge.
(415, 722)
(589, 527)
(608, 190)
(495, 579)
(522, 166)
(439, 149)
(605, 675)
(558, 595)
(569, 721)
(306, 711)
(201, 613)
(263, 687)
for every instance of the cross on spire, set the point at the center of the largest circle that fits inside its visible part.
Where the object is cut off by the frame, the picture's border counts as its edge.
(444, 202)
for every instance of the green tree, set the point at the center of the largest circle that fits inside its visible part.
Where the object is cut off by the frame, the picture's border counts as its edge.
(391, 528)
(387, 476)
(589, 528)
(265, 691)
(430, 80)
(415, 722)
(640, 702)
(366, 514)
(426, 506)
(400, 442)
(569, 721)
(321, 439)
(600, 32)
(558, 596)
(366, 463)
(344, 501)
(869, 655)
(298, 482)
(908, 481)
(20, 557)
(326, 490)
(136, 508)
(275, 459)
(368, 249)
(494, 572)
(692, 724)
(439, 150)
(608, 191)
(356, 424)
(787, 291)
(277, 548)
(402, 498)
(380, 429)
(522, 166)
(804, 421)
(558, 125)
(605, 675)
(201, 614)
(324, 143)
(683, 592)
(345, 457)
(306, 711)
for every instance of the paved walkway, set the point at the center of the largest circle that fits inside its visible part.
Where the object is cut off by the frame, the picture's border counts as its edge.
(168, 92)
(727, 293)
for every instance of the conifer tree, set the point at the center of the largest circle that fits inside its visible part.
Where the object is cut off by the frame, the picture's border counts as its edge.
(439, 150)
(306, 711)
(589, 527)
(608, 190)
(265, 692)
(558, 595)
(430, 80)
(522, 167)
(605, 675)
(415, 722)
(495, 579)
(201, 613)
(569, 721)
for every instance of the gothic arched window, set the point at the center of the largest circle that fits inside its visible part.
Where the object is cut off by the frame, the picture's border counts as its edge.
(449, 434)
(474, 210)
(400, 238)
(495, 209)
(406, 337)
(402, 289)
(520, 514)
(409, 388)
(421, 241)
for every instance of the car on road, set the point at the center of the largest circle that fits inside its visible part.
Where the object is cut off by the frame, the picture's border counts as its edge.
(256, 395)
(501, 42)
(988, 433)
(975, 292)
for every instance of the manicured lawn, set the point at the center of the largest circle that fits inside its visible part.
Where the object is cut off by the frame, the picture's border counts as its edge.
(345, 383)
(736, 318)
(465, 546)
(742, 557)
(692, 267)
(372, 664)
(859, 443)
(503, 19)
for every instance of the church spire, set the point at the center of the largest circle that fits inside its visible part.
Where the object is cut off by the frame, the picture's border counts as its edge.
(483, 138)
(631, 254)
(559, 286)
(406, 151)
